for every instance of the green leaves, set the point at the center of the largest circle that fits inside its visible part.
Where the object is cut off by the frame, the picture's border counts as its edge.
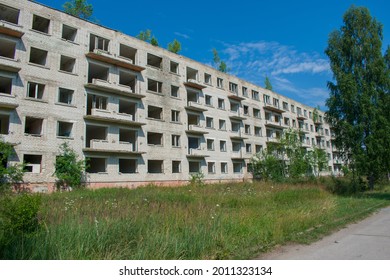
(68, 169)
(174, 46)
(78, 8)
(359, 92)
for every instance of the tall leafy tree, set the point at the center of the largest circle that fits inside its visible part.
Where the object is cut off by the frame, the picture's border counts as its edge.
(174, 46)
(267, 83)
(359, 93)
(218, 63)
(78, 8)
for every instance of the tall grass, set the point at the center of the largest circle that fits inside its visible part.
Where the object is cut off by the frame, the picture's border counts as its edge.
(233, 221)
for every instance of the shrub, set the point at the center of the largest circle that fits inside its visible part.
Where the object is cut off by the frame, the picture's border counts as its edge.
(197, 179)
(10, 175)
(19, 215)
(68, 169)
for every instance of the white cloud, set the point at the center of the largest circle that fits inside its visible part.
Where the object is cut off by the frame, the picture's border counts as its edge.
(185, 36)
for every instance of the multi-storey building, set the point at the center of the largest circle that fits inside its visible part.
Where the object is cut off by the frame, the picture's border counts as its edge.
(138, 113)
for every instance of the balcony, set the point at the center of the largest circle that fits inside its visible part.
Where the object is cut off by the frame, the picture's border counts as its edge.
(274, 108)
(197, 153)
(320, 134)
(106, 86)
(8, 101)
(237, 115)
(337, 161)
(235, 96)
(236, 154)
(112, 117)
(195, 106)
(10, 29)
(10, 64)
(301, 117)
(103, 146)
(274, 124)
(119, 61)
(194, 84)
(273, 140)
(196, 129)
(237, 135)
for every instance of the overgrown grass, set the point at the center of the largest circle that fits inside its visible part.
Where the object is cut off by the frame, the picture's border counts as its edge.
(234, 221)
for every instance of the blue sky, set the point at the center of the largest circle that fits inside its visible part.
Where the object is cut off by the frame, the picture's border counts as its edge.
(284, 40)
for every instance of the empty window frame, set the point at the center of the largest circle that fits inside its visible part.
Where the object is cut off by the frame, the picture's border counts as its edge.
(38, 56)
(41, 24)
(128, 166)
(96, 165)
(97, 72)
(248, 148)
(93, 133)
(175, 140)
(154, 61)
(211, 167)
(67, 64)
(98, 43)
(258, 148)
(209, 122)
(7, 48)
(35, 90)
(128, 108)
(5, 85)
(69, 33)
(9, 14)
(175, 91)
(236, 146)
(235, 126)
(222, 125)
(176, 166)
(247, 128)
(33, 163)
(4, 123)
(154, 86)
(222, 146)
(174, 67)
(64, 129)
(256, 113)
(233, 87)
(207, 79)
(257, 131)
(129, 80)
(224, 168)
(237, 167)
(155, 138)
(245, 91)
(194, 166)
(155, 112)
(175, 116)
(255, 95)
(219, 82)
(155, 166)
(208, 100)
(33, 126)
(221, 104)
(210, 144)
(128, 53)
(266, 99)
(246, 110)
(65, 96)
(192, 74)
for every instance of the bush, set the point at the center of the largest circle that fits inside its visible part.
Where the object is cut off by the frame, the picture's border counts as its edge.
(10, 175)
(346, 186)
(19, 216)
(196, 179)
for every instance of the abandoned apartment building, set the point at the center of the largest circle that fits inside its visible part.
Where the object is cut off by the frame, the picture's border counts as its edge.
(137, 112)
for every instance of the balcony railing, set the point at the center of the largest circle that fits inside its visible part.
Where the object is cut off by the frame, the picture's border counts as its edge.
(101, 145)
(194, 84)
(11, 29)
(196, 106)
(197, 152)
(108, 116)
(10, 64)
(114, 59)
(272, 107)
(196, 129)
(8, 101)
(113, 88)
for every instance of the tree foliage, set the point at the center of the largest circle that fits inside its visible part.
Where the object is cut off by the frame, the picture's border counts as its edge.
(267, 83)
(359, 94)
(78, 8)
(10, 174)
(218, 63)
(69, 170)
(147, 36)
(174, 46)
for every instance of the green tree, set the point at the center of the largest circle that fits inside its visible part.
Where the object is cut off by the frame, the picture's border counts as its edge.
(267, 83)
(69, 170)
(317, 160)
(78, 8)
(145, 35)
(218, 63)
(267, 165)
(154, 41)
(174, 46)
(359, 94)
(10, 174)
